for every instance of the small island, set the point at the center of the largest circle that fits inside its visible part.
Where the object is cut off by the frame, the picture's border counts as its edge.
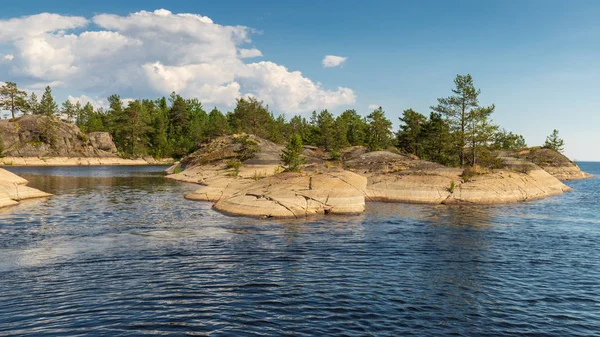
(251, 163)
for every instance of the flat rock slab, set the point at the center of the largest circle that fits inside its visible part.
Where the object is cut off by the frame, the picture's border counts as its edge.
(13, 189)
(295, 195)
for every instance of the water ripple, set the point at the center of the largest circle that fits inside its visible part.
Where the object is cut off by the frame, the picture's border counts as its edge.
(121, 253)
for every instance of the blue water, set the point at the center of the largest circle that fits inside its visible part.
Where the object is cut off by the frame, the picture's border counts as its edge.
(119, 252)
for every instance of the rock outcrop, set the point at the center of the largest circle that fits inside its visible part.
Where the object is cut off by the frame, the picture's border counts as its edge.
(41, 137)
(550, 161)
(43, 141)
(13, 189)
(400, 178)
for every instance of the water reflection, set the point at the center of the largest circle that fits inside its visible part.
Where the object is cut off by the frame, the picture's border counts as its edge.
(127, 255)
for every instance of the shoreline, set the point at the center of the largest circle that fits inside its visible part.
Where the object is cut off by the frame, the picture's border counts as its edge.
(82, 161)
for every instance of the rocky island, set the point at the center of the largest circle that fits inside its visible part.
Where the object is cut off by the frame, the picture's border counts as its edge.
(242, 175)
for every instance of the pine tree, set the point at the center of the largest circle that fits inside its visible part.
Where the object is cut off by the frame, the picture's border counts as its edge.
(437, 141)
(410, 134)
(47, 106)
(325, 131)
(13, 99)
(554, 142)
(354, 126)
(217, 124)
(480, 130)
(251, 116)
(68, 110)
(379, 135)
(457, 107)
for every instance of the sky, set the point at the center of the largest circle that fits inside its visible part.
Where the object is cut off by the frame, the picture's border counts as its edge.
(537, 61)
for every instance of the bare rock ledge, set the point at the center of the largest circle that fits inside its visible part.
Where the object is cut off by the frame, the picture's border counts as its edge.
(13, 189)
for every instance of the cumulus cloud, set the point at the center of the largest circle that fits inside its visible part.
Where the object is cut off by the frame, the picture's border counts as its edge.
(374, 106)
(153, 53)
(330, 61)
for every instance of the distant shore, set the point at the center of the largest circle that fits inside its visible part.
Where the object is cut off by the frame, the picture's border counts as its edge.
(82, 161)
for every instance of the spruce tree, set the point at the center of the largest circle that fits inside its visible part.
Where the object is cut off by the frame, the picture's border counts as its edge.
(291, 156)
(33, 106)
(48, 106)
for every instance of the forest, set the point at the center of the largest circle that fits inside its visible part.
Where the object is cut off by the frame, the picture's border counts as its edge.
(459, 131)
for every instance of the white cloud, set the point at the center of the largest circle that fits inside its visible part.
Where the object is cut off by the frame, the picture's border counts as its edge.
(97, 103)
(248, 53)
(374, 106)
(34, 25)
(330, 61)
(291, 91)
(145, 54)
(8, 57)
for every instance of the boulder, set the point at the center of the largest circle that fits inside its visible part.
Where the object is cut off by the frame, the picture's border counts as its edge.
(102, 141)
(295, 195)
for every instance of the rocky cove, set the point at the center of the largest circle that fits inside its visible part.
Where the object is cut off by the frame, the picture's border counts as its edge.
(259, 188)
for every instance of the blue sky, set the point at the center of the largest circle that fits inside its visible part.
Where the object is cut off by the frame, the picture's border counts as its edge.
(538, 61)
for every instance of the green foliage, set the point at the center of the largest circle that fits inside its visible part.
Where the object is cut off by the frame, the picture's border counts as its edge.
(554, 142)
(379, 134)
(69, 110)
(504, 140)
(291, 156)
(354, 126)
(458, 110)
(411, 135)
(437, 141)
(480, 131)
(250, 116)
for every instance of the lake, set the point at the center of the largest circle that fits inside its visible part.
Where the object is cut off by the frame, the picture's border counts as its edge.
(118, 251)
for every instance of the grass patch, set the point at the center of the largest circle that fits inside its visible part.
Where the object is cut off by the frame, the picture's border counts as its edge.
(452, 187)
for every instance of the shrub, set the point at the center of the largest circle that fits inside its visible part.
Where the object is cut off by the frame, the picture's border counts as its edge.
(235, 165)
(452, 187)
(472, 171)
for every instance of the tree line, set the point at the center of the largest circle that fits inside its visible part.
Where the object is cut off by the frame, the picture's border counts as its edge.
(458, 131)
